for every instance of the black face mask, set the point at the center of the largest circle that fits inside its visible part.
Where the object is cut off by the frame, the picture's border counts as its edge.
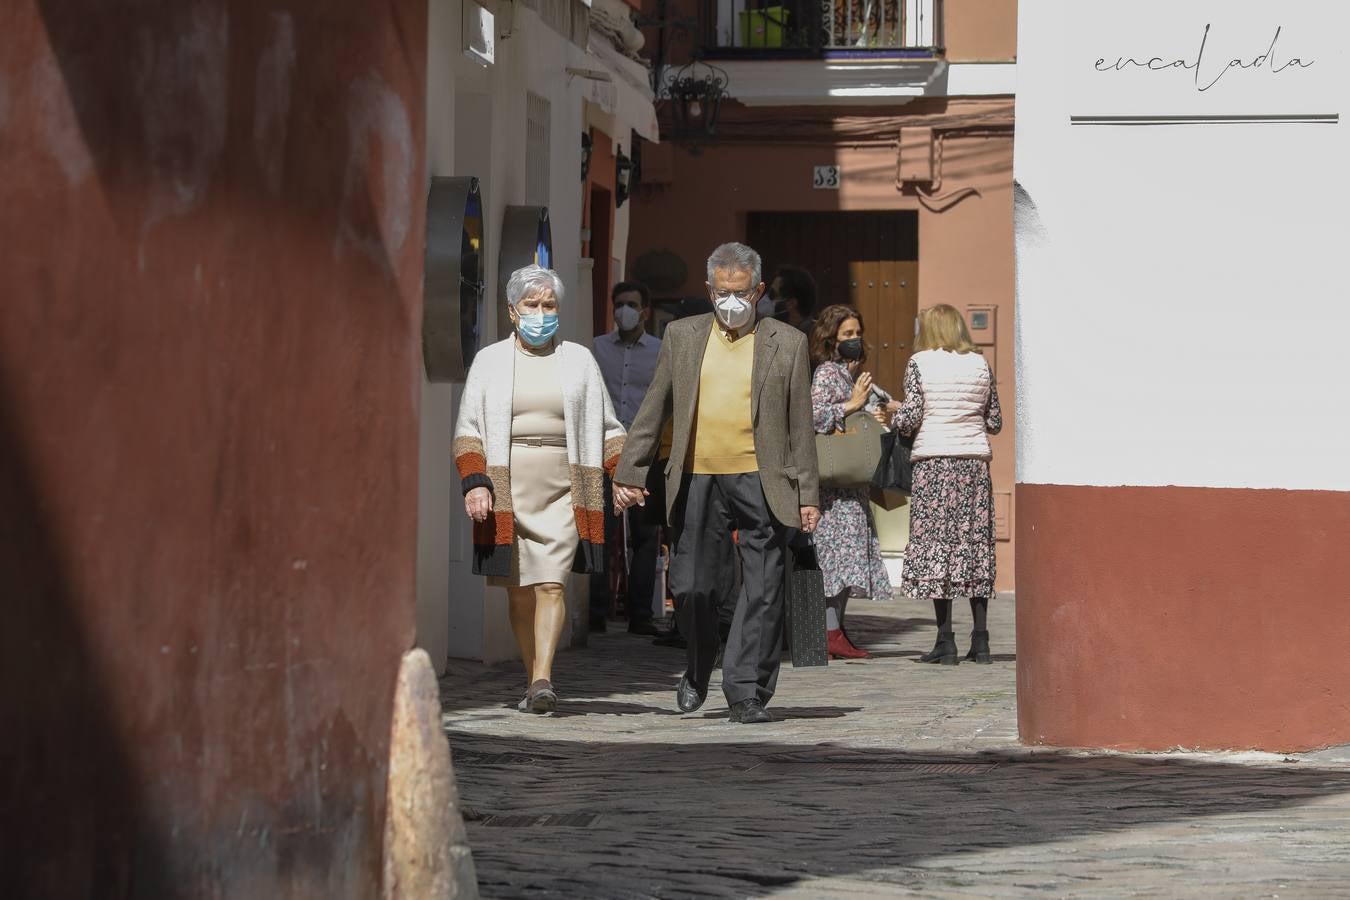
(851, 349)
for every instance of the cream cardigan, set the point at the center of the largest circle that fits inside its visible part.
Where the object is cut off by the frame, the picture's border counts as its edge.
(482, 449)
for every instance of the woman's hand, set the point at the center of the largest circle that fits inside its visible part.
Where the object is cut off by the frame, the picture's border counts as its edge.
(478, 503)
(881, 415)
(626, 496)
(861, 388)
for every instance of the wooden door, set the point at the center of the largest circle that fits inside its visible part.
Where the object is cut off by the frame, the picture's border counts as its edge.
(600, 249)
(868, 260)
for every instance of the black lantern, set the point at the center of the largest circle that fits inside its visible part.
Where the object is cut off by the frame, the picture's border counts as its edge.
(695, 93)
(585, 154)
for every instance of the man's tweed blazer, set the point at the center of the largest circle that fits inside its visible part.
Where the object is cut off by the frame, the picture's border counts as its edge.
(779, 406)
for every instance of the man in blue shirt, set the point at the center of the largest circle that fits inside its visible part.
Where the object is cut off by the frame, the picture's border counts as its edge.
(627, 358)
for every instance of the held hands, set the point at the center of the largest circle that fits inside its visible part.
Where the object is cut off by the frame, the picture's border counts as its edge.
(626, 496)
(478, 503)
(810, 518)
(885, 412)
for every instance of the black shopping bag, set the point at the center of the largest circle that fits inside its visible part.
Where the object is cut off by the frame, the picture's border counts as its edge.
(895, 471)
(806, 607)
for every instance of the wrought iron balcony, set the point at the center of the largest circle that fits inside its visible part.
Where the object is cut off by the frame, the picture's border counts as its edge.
(821, 28)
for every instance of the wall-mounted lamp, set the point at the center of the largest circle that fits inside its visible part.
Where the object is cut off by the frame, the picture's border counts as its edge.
(585, 154)
(695, 93)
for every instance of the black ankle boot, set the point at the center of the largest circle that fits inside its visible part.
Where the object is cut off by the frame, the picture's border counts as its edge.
(943, 652)
(979, 647)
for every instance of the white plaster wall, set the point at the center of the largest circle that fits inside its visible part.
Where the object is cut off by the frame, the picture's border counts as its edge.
(1181, 289)
(476, 126)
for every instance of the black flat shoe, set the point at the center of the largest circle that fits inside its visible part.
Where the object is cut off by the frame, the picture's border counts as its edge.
(979, 648)
(750, 712)
(943, 652)
(687, 697)
(645, 626)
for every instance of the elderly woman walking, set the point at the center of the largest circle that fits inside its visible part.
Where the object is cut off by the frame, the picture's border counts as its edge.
(536, 431)
(950, 405)
(846, 538)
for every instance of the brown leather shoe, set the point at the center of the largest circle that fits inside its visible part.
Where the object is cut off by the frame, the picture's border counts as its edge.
(541, 697)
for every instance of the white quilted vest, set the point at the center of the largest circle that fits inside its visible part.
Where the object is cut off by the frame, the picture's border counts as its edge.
(955, 394)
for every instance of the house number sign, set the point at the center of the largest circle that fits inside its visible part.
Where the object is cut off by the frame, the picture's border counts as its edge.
(825, 178)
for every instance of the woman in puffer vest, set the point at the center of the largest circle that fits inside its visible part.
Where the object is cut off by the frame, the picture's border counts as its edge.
(950, 406)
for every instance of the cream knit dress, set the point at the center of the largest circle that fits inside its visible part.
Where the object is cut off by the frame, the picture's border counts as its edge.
(546, 535)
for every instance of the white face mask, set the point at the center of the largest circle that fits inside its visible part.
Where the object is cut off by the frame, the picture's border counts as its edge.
(627, 318)
(733, 310)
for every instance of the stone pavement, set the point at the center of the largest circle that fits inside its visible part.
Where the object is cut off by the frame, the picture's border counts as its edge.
(881, 778)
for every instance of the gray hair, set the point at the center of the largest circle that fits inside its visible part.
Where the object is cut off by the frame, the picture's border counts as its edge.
(530, 280)
(735, 257)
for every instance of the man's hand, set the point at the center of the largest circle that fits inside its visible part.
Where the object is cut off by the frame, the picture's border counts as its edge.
(478, 503)
(625, 496)
(810, 518)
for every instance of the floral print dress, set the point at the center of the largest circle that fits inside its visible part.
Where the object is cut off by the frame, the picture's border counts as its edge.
(846, 537)
(951, 519)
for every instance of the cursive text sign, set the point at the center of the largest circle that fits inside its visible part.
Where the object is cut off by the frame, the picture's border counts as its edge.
(1205, 74)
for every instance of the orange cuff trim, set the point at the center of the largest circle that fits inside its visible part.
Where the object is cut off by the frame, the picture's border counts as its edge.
(470, 464)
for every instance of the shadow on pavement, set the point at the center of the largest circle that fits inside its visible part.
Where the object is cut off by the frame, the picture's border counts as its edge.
(741, 819)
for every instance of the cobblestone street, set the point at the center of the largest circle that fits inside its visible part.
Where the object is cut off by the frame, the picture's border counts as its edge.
(879, 778)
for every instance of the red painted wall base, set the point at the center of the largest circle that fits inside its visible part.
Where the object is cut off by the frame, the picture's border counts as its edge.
(1154, 618)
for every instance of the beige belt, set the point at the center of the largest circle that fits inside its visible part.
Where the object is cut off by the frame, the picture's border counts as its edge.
(540, 442)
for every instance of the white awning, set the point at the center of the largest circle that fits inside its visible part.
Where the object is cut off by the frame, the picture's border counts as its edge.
(626, 94)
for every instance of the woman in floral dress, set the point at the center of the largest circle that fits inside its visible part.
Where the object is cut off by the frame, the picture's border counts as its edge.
(846, 537)
(950, 405)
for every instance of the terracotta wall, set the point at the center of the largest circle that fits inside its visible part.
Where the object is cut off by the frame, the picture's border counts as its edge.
(965, 250)
(1150, 618)
(980, 30)
(209, 379)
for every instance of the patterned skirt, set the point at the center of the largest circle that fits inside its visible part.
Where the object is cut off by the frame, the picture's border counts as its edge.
(847, 548)
(951, 531)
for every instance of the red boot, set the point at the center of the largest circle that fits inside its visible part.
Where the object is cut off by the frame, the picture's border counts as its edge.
(840, 647)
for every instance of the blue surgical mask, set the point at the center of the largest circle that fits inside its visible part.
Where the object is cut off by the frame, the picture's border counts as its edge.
(537, 329)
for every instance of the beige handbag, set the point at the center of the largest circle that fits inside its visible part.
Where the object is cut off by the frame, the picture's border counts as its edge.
(849, 459)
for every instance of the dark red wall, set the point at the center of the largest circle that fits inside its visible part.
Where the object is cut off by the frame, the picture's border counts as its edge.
(210, 262)
(1150, 618)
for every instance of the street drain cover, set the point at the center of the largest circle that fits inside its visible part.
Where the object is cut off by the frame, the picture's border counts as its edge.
(557, 820)
(870, 766)
(500, 759)
(904, 765)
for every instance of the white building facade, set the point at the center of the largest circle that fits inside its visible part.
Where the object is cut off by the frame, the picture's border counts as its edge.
(511, 88)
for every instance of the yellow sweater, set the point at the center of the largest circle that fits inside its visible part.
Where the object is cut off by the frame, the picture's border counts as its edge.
(723, 442)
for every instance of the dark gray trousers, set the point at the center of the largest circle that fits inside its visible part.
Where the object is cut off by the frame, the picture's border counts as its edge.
(708, 509)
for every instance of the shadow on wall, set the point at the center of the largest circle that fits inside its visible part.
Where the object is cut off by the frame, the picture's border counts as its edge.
(68, 781)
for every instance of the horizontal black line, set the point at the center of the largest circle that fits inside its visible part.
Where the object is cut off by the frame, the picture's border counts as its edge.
(1248, 119)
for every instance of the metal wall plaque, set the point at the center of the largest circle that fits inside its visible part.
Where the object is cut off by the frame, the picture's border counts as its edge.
(452, 301)
(526, 238)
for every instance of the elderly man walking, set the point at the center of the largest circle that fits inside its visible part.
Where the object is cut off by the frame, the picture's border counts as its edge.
(743, 458)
